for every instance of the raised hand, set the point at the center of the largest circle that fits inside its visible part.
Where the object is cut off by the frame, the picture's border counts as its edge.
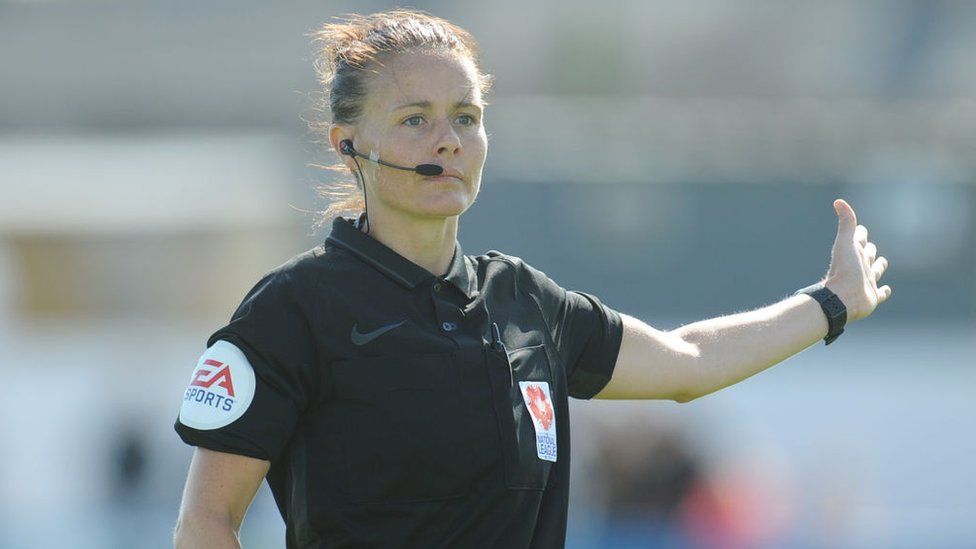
(855, 267)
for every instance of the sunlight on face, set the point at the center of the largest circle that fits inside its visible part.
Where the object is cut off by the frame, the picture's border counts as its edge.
(424, 108)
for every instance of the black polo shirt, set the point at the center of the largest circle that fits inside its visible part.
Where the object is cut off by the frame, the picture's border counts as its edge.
(399, 408)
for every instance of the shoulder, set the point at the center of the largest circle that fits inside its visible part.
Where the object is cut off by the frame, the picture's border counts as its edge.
(277, 305)
(515, 262)
(303, 272)
(499, 264)
(528, 277)
(283, 290)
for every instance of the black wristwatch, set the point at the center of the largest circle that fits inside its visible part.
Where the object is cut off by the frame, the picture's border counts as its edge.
(832, 306)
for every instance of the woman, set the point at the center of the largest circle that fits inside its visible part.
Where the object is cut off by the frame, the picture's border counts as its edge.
(396, 392)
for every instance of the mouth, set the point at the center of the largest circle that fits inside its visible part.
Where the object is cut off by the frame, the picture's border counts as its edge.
(443, 178)
(446, 175)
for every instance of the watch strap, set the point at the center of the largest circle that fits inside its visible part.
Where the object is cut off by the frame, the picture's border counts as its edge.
(832, 306)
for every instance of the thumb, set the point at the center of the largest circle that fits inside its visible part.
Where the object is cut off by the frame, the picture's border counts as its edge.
(846, 219)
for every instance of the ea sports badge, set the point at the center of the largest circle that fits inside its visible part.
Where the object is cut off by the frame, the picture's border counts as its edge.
(538, 400)
(220, 390)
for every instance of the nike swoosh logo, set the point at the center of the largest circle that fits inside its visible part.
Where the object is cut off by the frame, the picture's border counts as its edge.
(359, 338)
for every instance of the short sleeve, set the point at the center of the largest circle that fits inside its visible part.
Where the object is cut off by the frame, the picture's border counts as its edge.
(586, 332)
(256, 377)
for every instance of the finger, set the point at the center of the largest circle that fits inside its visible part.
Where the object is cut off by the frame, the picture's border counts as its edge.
(884, 292)
(846, 219)
(870, 252)
(879, 267)
(861, 234)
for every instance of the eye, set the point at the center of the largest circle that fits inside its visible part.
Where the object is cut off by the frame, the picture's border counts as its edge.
(470, 120)
(414, 117)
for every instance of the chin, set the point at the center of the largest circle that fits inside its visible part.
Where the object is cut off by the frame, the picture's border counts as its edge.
(442, 211)
(446, 206)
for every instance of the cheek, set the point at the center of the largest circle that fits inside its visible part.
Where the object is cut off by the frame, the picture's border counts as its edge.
(370, 171)
(480, 142)
(475, 186)
(395, 186)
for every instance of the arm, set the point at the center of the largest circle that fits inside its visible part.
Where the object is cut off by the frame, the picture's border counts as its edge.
(703, 357)
(735, 347)
(652, 364)
(219, 489)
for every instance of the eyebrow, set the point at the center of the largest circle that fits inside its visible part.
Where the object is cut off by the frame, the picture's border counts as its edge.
(426, 104)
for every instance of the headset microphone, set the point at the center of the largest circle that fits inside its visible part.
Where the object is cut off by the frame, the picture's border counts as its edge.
(345, 147)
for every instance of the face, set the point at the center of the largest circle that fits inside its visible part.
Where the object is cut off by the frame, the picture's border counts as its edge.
(421, 108)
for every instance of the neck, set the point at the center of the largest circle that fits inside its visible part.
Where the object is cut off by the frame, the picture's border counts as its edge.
(428, 241)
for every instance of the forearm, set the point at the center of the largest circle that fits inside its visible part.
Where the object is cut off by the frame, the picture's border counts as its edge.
(734, 347)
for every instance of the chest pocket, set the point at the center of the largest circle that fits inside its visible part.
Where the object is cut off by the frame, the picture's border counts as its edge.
(414, 427)
(524, 469)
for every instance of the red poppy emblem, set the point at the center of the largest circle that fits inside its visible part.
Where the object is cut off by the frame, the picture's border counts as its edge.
(539, 406)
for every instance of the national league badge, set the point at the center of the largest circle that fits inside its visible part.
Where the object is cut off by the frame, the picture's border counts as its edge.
(538, 400)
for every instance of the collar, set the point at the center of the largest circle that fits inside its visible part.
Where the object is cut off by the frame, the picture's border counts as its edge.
(403, 271)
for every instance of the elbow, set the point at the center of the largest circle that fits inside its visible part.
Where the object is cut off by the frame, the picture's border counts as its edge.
(185, 534)
(203, 531)
(181, 538)
(691, 367)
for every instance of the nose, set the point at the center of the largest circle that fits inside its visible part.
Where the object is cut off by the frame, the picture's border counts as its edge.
(448, 141)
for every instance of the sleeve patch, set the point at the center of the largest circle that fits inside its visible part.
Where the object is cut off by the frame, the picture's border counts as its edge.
(221, 388)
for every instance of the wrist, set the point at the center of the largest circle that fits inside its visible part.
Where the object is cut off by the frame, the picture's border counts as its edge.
(831, 306)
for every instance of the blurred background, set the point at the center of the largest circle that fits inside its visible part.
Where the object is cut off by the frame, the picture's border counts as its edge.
(677, 159)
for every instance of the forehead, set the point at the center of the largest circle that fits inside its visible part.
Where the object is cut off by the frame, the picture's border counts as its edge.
(411, 77)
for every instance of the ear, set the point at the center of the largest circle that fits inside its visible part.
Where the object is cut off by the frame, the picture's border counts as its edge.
(338, 132)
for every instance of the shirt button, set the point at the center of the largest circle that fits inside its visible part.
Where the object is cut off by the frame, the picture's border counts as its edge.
(437, 286)
(448, 326)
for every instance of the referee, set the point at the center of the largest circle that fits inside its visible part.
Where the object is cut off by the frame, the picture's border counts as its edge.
(396, 392)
